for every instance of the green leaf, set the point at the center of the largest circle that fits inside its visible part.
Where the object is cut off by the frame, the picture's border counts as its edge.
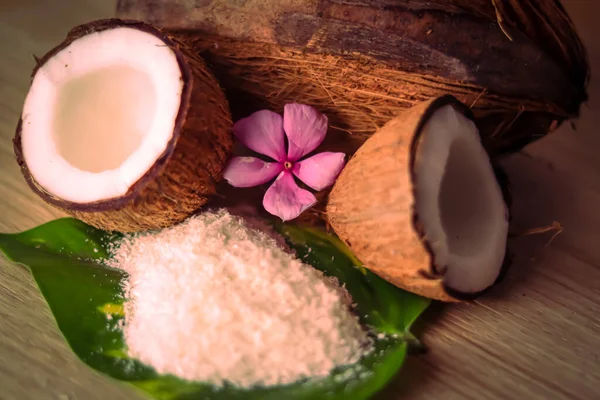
(86, 300)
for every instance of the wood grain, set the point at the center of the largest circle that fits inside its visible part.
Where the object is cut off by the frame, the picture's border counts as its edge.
(534, 337)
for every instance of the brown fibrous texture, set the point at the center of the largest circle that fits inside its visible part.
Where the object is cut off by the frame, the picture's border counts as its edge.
(518, 64)
(185, 176)
(361, 95)
(372, 205)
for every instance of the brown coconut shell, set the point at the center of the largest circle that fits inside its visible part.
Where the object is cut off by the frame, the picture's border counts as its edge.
(185, 176)
(371, 206)
(518, 64)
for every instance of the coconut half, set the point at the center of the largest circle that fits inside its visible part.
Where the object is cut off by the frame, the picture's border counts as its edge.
(123, 128)
(420, 204)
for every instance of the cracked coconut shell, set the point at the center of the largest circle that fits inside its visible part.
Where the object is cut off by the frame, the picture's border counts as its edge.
(518, 64)
(188, 156)
(421, 204)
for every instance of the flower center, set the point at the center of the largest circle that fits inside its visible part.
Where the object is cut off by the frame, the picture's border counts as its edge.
(288, 165)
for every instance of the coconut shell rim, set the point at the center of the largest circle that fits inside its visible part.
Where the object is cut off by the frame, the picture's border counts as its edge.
(118, 202)
(432, 272)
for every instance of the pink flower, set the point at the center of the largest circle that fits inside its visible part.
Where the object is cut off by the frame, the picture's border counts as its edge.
(264, 132)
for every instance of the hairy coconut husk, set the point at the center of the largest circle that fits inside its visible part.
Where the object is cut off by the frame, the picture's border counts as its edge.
(185, 176)
(518, 64)
(371, 206)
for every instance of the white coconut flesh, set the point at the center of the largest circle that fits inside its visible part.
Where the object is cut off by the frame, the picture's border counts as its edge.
(100, 113)
(459, 202)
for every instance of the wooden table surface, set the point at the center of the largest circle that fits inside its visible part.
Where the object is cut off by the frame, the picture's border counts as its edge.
(536, 336)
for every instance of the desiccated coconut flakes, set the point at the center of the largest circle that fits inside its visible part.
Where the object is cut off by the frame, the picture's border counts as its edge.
(213, 300)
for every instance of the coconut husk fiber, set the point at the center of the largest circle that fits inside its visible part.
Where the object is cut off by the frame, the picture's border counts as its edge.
(518, 64)
(185, 176)
(372, 205)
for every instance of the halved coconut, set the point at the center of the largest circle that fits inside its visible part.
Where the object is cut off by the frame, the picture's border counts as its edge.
(123, 128)
(421, 206)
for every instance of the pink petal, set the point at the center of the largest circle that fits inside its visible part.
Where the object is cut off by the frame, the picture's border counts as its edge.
(320, 170)
(263, 133)
(250, 171)
(285, 199)
(305, 128)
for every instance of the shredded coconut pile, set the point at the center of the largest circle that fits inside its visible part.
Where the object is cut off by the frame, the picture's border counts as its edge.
(213, 300)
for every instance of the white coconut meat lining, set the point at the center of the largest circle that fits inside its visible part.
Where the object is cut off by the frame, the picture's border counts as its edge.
(99, 113)
(459, 202)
